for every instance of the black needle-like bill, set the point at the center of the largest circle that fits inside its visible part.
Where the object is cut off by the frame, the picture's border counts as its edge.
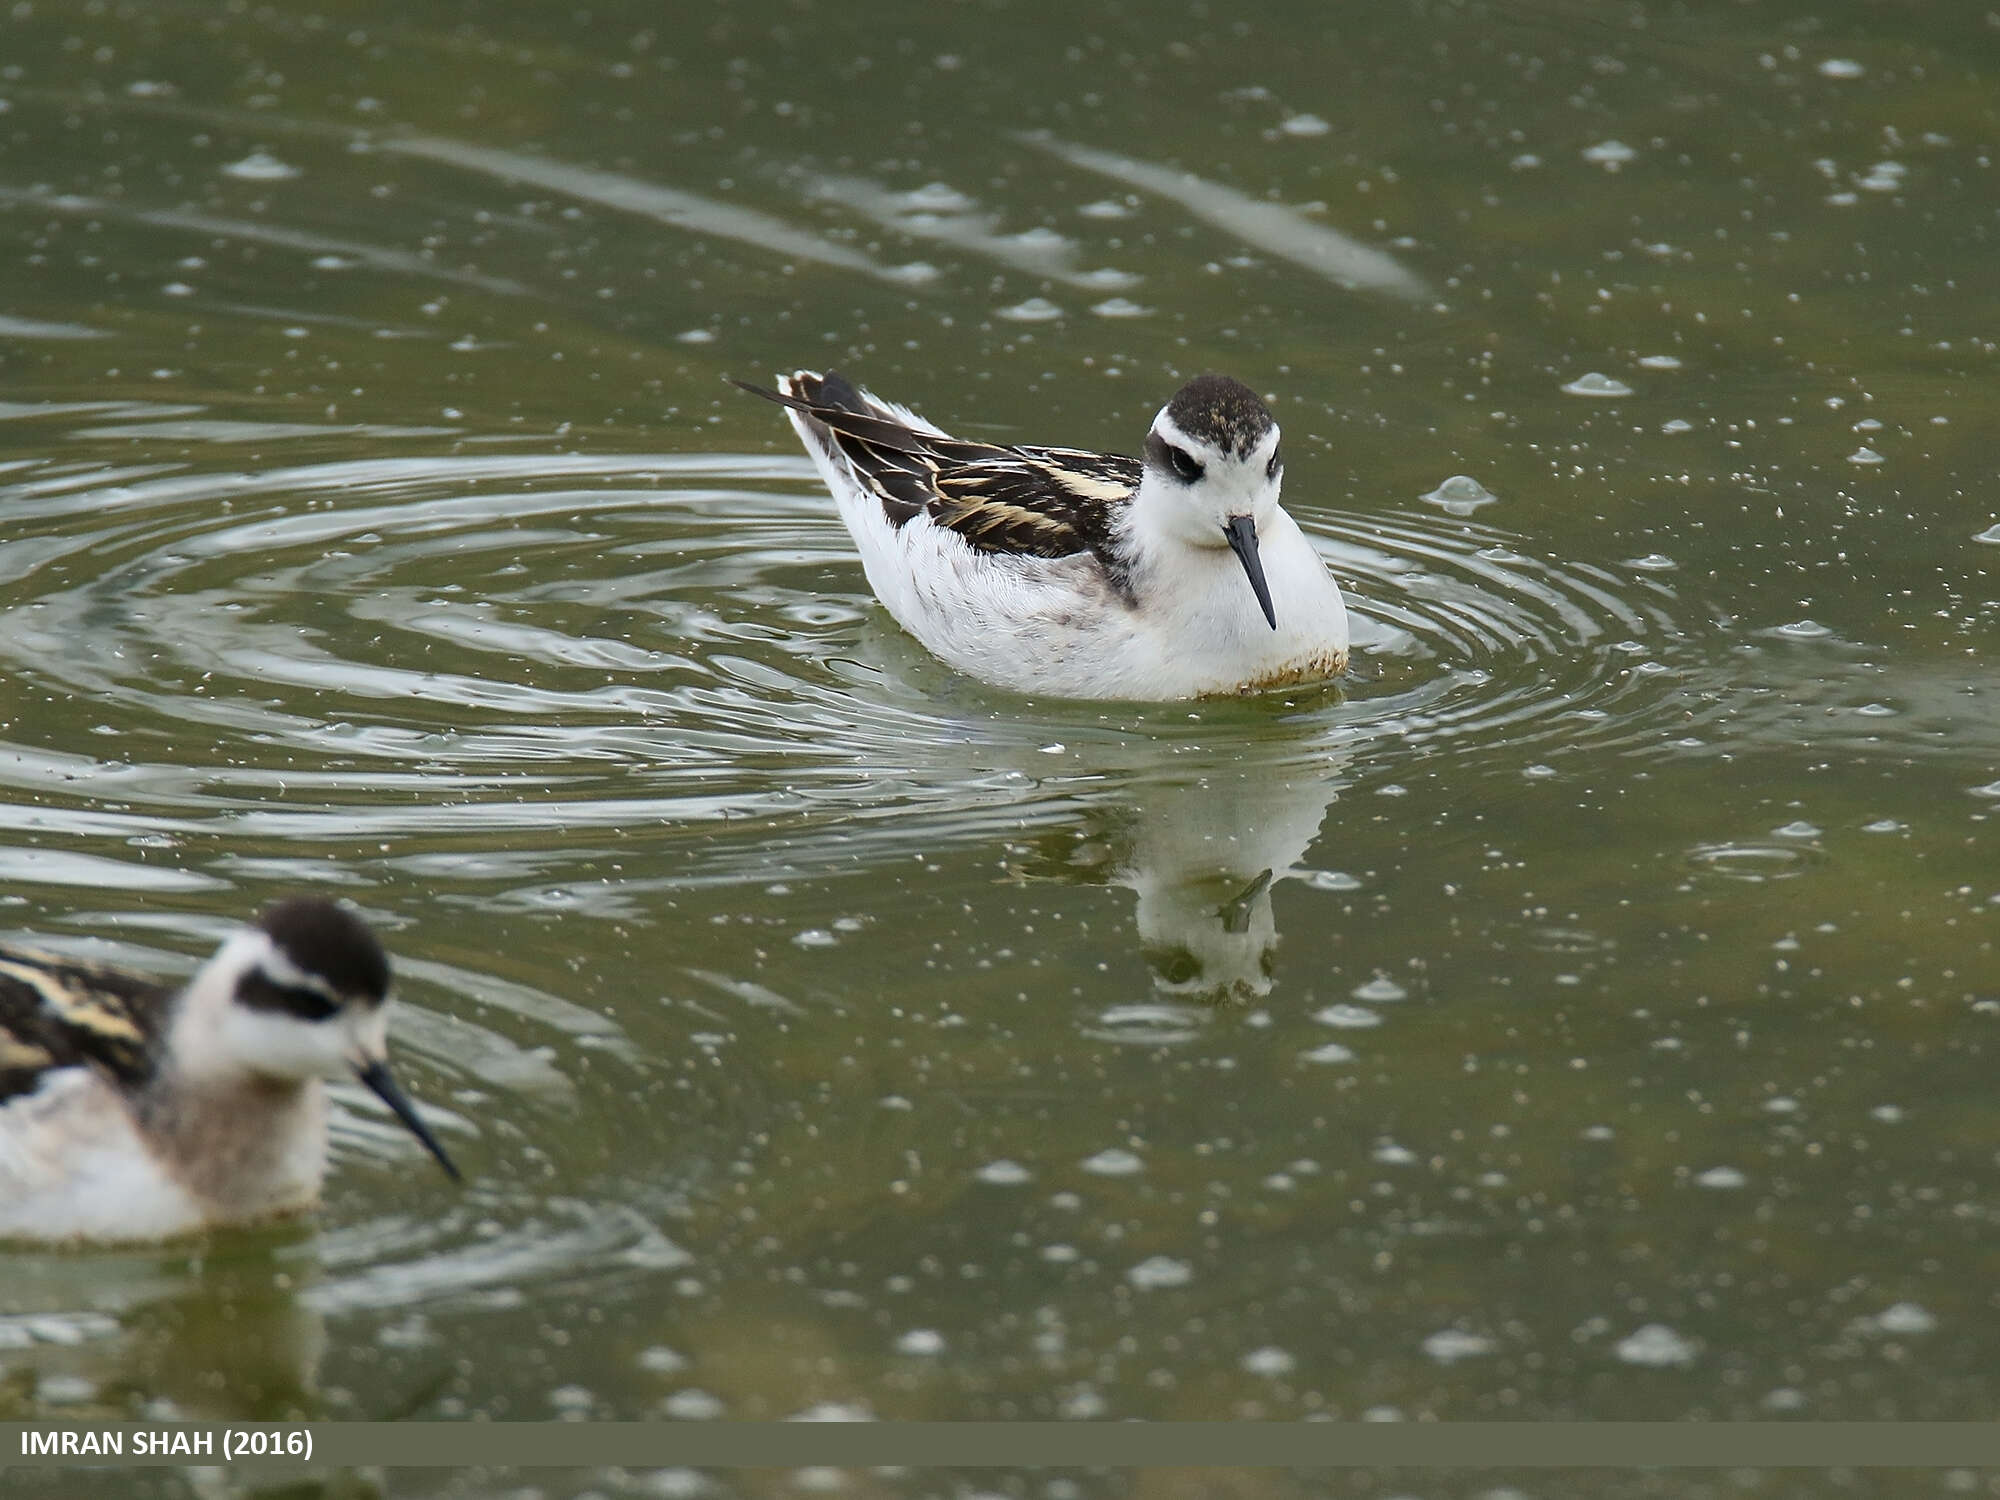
(376, 1075)
(1242, 534)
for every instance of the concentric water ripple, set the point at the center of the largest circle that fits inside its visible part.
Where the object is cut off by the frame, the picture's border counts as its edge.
(502, 643)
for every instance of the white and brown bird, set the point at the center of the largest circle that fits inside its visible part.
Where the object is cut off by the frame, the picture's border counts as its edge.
(1078, 574)
(134, 1111)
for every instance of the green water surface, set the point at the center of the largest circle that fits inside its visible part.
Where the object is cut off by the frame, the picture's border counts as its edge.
(1581, 1011)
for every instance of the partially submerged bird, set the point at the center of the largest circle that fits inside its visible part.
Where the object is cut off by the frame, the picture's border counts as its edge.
(131, 1111)
(1083, 575)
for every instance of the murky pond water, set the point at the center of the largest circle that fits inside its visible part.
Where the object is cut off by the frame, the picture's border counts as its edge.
(1579, 1011)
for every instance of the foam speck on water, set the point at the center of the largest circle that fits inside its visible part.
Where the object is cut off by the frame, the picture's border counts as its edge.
(1610, 155)
(1459, 495)
(261, 166)
(1159, 1271)
(1596, 384)
(1655, 1346)
(1034, 310)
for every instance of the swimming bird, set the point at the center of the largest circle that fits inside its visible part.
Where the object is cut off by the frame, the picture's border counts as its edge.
(133, 1111)
(1077, 574)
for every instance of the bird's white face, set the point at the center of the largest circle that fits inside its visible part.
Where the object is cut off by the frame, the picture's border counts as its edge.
(1212, 480)
(1200, 486)
(255, 1011)
(268, 1017)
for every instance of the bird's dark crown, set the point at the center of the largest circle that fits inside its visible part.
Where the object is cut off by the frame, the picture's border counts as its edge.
(1222, 411)
(330, 943)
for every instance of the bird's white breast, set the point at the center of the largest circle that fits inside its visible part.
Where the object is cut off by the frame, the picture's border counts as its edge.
(73, 1165)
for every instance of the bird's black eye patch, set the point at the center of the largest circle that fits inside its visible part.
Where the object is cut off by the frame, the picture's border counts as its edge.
(259, 991)
(1178, 462)
(1276, 463)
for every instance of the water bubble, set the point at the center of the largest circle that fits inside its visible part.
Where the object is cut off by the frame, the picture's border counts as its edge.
(1380, 990)
(65, 1390)
(1596, 384)
(693, 1406)
(1659, 362)
(1331, 1053)
(1905, 1317)
(260, 166)
(1004, 1173)
(1352, 1017)
(1864, 455)
(1269, 1360)
(1120, 307)
(1113, 1162)
(695, 336)
(1034, 310)
(1106, 208)
(1655, 1347)
(1804, 630)
(814, 937)
(1449, 1345)
(1676, 424)
(1460, 495)
(921, 1341)
(1652, 562)
(1332, 880)
(1610, 155)
(1305, 125)
(1720, 1178)
(1157, 1271)
(936, 198)
(1148, 1024)
(1751, 863)
(1798, 828)
(1083, 1405)
(1841, 67)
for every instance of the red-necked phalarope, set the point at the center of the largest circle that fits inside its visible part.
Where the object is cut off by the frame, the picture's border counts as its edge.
(1085, 575)
(129, 1111)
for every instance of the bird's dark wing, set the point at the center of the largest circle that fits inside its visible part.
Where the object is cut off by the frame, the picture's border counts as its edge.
(59, 1013)
(1031, 502)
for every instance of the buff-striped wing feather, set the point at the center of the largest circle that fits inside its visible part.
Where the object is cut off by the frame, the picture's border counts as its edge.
(60, 1013)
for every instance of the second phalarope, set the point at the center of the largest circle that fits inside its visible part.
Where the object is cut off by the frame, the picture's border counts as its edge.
(1084, 575)
(129, 1111)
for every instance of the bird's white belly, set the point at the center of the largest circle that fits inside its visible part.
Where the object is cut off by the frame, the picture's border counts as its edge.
(1056, 626)
(73, 1165)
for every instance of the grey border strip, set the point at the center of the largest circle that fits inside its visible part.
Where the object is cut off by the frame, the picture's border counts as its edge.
(1303, 1445)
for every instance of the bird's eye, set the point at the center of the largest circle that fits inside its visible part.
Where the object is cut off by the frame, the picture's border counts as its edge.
(1185, 466)
(1271, 468)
